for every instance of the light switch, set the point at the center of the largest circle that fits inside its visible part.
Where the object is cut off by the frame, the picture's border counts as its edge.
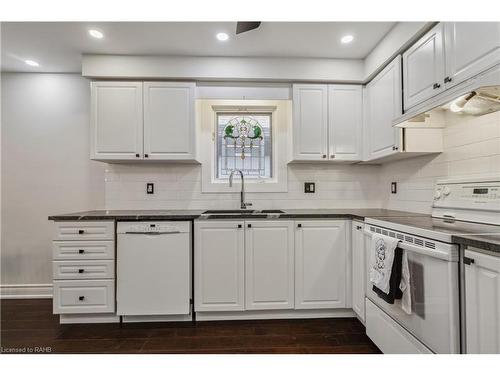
(394, 187)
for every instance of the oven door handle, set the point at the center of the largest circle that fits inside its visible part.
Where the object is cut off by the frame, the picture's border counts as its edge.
(435, 253)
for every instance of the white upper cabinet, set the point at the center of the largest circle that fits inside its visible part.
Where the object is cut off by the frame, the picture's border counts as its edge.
(169, 120)
(471, 47)
(423, 68)
(116, 120)
(345, 119)
(382, 106)
(482, 303)
(327, 122)
(321, 264)
(310, 122)
(122, 128)
(219, 266)
(269, 265)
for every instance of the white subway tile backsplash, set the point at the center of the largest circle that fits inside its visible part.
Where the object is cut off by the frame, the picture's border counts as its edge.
(471, 148)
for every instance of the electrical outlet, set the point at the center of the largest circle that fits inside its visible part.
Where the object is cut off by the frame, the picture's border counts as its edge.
(394, 187)
(150, 188)
(309, 187)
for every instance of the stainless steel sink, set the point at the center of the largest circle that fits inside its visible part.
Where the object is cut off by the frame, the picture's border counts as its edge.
(241, 214)
(225, 212)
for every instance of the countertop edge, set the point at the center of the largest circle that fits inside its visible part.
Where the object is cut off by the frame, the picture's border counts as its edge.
(483, 244)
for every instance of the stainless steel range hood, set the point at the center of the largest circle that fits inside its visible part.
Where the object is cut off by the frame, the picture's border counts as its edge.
(475, 97)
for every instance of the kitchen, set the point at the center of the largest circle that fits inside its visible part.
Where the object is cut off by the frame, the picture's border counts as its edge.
(240, 181)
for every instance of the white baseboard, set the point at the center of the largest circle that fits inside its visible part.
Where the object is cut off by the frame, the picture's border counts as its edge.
(20, 291)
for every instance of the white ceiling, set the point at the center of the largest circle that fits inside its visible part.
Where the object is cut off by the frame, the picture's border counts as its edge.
(58, 46)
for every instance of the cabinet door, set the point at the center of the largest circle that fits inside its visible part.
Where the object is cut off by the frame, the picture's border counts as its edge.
(358, 269)
(423, 68)
(116, 121)
(169, 126)
(320, 264)
(345, 122)
(383, 105)
(219, 266)
(310, 122)
(482, 303)
(269, 265)
(471, 47)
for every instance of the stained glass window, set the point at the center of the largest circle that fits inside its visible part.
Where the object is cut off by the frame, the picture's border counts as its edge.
(244, 142)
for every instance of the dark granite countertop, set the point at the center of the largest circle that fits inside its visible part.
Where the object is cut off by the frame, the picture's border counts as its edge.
(130, 215)
(488, 242)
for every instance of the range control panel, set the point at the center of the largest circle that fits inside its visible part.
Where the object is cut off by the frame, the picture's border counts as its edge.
(458, 198)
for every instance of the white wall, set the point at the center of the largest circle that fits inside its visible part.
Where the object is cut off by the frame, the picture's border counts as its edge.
(471, 148)
(45, 169)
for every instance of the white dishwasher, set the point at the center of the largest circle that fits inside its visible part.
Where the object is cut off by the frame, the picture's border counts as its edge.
(153, 270)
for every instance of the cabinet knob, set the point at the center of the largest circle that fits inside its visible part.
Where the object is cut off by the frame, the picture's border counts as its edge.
(146, 155)
(137, 155)
(299, 225)
(249, 225)
(81, 298)
(81, 231)
(323, 156)
(447, 79)
(80, 270)
(239, 225)
(332, 156)
(436, 86)
(81, 251)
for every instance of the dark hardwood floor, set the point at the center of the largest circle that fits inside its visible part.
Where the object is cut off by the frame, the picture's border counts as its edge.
(30, 324)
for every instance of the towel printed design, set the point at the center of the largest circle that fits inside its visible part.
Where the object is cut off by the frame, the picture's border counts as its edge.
(380, 254)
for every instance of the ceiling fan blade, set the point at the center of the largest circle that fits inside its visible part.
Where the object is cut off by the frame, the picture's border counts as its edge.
(242, 27)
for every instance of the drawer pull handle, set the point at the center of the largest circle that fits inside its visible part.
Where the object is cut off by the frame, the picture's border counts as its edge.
(299, 225)
(239, 225)
(81, 231)
(81, 251)
(81, 298)
(436, 86)
(468, 261)
(249, 225)
(81, 270)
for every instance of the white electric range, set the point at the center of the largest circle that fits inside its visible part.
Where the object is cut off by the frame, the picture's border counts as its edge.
(461, 207)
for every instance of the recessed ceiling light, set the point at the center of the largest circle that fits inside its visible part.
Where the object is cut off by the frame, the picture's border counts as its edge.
(347, 39)
(31, 63)
(222, 37)
(96, 34)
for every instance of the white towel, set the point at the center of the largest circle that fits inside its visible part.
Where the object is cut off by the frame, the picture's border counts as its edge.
(405, 285)
(382, 257)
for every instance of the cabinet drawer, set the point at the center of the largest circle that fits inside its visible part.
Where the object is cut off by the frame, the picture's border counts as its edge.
(84, 296)
(83, 269)
(73, 250)
(84, 230)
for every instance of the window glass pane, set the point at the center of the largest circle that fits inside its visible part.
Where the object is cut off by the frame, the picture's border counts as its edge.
(244, 142)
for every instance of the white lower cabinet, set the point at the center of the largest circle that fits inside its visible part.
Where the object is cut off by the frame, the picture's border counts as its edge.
(358, 269)
(482, 302)
(219, 266)
(320, 264)
(84, 271)
(269, 265)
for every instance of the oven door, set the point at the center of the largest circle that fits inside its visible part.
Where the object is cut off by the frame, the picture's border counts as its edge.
(434, 320)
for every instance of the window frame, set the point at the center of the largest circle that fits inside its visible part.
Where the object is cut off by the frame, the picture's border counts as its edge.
(280, 111)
